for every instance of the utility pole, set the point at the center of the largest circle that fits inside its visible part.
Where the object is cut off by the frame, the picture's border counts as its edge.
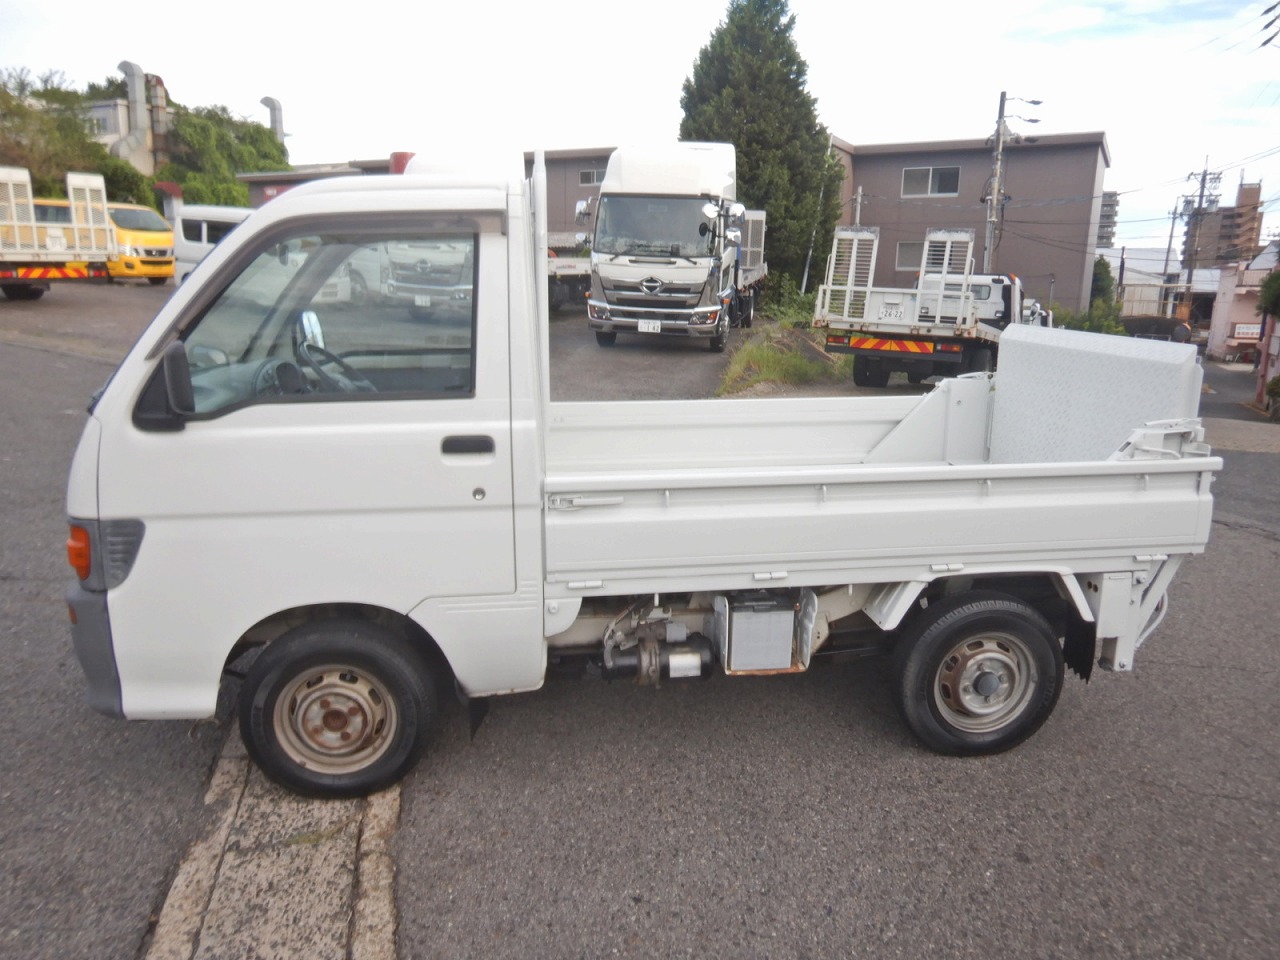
(995, 196)
(1195, 217)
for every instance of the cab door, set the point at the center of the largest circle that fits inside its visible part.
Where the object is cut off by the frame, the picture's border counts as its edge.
(342, 449)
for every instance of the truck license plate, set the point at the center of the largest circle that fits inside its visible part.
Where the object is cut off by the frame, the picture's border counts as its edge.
(890, 313)
(649, 326)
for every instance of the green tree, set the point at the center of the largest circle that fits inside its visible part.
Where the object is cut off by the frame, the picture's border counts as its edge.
(1269, 295)
(748, 89)
(1104, 284)
(42, 128)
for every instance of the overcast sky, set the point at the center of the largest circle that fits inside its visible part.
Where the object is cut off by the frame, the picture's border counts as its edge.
(1176, 86)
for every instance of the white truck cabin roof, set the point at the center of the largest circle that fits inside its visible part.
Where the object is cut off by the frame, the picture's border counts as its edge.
(675, 169)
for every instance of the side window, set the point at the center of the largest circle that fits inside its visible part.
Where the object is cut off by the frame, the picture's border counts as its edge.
(910, 254)
(191, 230)
(339, 316)
(931, 181)
(216, 230)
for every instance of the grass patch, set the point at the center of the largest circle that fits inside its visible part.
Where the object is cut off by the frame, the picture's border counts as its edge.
(778, 354)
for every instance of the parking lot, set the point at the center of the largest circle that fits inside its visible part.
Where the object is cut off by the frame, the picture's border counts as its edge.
(787, 817)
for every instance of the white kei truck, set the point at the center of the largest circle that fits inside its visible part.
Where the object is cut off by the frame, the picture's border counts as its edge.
(674, 254)
(356, 511)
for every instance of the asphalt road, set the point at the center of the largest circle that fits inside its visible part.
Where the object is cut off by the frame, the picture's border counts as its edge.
(790, 817)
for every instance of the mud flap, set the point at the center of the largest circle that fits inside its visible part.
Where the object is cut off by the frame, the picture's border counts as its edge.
(1080, 647)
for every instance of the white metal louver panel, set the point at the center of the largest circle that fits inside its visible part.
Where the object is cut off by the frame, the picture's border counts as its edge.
(850, 271)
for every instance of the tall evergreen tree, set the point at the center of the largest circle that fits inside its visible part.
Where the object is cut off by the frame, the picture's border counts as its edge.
(748, 89)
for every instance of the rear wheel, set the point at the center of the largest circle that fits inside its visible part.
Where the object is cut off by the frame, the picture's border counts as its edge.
(21, 291)
(748, 309)
(979, 360)
(977, 673)
(869, 372)
(337, 709)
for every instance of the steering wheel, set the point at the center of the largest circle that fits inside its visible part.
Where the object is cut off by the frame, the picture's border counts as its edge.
(346, 379)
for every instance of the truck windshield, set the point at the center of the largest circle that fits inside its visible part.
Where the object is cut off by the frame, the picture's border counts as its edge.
(653, 226)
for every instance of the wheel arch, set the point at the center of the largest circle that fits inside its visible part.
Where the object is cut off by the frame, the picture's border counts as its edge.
(1055, 594)
(271, 628)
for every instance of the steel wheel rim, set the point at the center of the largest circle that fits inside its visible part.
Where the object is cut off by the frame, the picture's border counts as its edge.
(985, 682)
(335, 719)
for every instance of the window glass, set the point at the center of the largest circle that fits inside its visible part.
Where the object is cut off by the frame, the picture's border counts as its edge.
(333, 316)
(589, 178)
(653, 226)
(52, 212)
(930, 181)
(192, 230)
(216, 230)
(945, 180)
(132, 218)
(915, 181)
(910, 254)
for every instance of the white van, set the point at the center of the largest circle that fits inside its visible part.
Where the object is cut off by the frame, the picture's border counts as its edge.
(197, 229)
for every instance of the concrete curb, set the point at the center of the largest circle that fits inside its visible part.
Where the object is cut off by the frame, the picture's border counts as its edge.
(282, 877)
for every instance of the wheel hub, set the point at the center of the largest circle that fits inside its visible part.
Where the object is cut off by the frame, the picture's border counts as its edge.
(334, 719)
(984, 682)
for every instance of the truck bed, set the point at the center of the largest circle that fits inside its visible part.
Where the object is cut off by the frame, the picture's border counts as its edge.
(979, 475)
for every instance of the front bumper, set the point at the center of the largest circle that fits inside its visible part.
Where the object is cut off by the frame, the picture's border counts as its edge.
(91, 637)
(703, 322)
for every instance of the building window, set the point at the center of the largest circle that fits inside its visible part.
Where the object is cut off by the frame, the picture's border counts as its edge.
(910, 254)
(589, 178)
(931, 181)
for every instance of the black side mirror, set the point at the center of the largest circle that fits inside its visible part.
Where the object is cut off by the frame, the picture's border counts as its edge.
(177, 379)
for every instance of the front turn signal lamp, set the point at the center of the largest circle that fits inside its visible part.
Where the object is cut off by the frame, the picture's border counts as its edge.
(79, 552)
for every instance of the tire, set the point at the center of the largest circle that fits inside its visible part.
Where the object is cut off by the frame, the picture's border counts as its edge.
(157, 281)
(359, 289)
(606, 338)
(869, 372)
(977, 673)
(720, 338)
(979, 360)
(748, 309)
(21, 291)
(320, 685)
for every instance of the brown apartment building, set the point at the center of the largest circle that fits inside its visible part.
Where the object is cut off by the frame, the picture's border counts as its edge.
(1046, 231)
(1223, 235)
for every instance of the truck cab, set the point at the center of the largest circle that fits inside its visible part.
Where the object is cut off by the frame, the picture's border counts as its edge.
(664, 258)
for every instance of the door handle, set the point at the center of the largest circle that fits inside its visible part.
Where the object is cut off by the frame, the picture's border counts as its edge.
(467, 444)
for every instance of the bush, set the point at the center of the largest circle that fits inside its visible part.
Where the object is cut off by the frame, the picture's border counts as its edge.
(775, 355)
(1103, 316)
(785, 304)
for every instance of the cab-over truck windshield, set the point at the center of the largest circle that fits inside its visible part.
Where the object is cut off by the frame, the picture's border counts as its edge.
(643, 226)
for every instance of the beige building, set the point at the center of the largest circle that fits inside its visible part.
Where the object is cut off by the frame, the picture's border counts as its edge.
(1045, 232)
(1226, 234)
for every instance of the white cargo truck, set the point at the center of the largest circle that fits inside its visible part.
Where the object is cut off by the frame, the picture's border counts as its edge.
(950, 322)
(356, 510)
(673, 252)
(36, 250)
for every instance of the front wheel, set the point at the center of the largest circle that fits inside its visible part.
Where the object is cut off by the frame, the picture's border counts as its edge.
(977, 673)
(606, 338)
(337, 709)
(157, 281)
